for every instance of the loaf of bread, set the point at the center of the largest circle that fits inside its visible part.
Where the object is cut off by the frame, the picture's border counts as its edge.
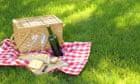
(43, 57)
(35, 64)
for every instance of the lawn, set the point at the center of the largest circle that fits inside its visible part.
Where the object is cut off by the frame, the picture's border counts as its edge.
(113, 27)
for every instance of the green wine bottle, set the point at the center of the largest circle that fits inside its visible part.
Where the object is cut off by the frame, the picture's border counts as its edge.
(54, 43)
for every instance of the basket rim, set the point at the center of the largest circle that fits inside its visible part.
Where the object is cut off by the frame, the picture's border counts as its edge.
(17, 21)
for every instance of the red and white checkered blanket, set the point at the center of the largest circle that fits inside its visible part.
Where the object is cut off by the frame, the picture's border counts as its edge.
(75, 54)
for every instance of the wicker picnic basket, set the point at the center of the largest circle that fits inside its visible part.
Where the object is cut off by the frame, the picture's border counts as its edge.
(26, 29)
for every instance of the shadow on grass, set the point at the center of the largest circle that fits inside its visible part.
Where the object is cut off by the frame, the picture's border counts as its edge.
(113, 47)
(19, 9)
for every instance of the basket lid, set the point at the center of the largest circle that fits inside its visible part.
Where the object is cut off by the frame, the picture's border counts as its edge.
(36, 21)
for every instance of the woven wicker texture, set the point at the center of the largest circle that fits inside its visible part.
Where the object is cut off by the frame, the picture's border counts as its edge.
(27, 28)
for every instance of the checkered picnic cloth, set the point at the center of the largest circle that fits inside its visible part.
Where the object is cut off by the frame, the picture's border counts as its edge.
(75, 54)
(9, 55)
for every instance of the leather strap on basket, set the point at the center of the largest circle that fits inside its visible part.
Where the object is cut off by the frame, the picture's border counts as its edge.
(22, 40)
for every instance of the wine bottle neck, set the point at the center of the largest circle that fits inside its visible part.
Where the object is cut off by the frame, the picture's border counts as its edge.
(50, 31)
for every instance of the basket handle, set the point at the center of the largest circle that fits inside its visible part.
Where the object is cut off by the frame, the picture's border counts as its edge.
(12, 37)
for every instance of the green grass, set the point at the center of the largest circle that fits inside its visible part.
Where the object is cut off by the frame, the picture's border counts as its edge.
(113, 27)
